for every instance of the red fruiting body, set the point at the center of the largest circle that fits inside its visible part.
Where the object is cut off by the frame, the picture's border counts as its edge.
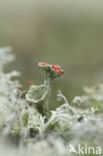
(44, 64)
(62, 71)
(30, 82)
(53, 66)
(56, 68)
(59, 71)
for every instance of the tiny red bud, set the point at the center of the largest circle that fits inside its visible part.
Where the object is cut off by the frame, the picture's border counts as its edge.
(30, 82)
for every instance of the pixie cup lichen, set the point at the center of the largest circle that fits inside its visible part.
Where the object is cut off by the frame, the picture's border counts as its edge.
(39, 94)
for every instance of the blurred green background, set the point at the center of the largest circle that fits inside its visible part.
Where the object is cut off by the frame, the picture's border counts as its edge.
(65, 32)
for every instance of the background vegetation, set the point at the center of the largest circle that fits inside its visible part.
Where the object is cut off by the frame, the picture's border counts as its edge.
(69, 33)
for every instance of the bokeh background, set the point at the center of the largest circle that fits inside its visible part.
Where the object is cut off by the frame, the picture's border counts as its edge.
(65, 32)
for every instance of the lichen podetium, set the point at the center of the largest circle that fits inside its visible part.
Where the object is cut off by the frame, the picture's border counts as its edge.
(40, 94)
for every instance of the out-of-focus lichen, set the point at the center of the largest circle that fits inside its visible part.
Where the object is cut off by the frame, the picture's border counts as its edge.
(29, 124)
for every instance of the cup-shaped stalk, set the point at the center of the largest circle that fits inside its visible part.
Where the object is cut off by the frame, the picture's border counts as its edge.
(40, 94)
